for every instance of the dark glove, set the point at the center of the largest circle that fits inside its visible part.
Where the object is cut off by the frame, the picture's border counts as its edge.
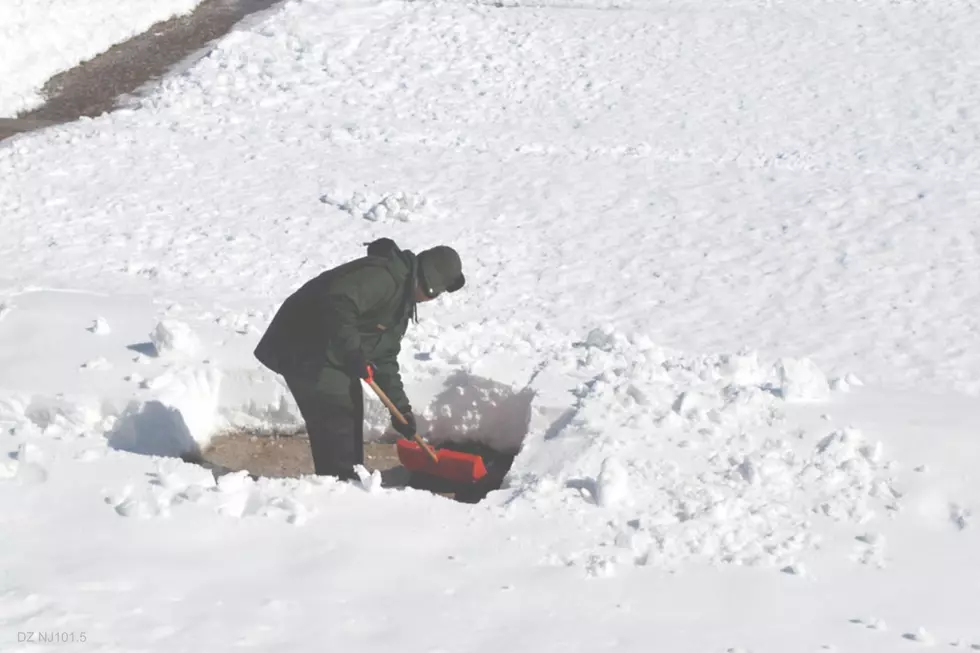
(407, 431)
(359, 367)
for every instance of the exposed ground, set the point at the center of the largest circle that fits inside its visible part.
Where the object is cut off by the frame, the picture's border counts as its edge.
(287, 454)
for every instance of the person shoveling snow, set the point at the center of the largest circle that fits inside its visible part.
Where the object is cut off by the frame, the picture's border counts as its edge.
(346, 325)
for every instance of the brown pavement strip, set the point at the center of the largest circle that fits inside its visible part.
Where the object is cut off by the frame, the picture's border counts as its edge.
(95, 86)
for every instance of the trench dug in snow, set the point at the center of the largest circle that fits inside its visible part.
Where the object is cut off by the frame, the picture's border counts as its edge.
(470, 414)
(283, 454)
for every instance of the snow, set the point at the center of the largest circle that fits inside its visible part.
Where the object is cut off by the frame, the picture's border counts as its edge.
(41, 38)
(173, 337)
(802, 380)
(721, 302)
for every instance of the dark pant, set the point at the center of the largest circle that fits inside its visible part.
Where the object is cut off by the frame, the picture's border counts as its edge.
(332, 405)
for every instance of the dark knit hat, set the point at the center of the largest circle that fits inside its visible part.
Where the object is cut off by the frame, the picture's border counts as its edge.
(440, 270)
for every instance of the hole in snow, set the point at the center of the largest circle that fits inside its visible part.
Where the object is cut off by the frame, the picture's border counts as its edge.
(471, 414)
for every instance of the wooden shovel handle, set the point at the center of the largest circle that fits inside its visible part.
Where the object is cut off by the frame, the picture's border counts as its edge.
(401, 418)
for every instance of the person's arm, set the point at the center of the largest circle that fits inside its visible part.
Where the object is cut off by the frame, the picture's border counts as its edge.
(389, 378)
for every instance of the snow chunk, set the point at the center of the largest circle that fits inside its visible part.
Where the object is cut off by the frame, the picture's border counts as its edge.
(801, 380)
(692, 404)
(603, 339)
(742, 369)
(369, 481)
(399, 206)
(612, 485)
(172, 336)
(922, 636)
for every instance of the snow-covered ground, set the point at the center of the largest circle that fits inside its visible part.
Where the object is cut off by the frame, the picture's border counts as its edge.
(41, 38)
(723, 288)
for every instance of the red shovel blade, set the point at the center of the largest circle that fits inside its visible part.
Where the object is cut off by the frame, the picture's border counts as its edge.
(454, 466)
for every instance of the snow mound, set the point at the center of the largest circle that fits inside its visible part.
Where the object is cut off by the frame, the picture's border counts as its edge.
(174, 337)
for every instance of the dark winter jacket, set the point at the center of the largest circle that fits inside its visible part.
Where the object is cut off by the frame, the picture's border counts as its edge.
(363, 305)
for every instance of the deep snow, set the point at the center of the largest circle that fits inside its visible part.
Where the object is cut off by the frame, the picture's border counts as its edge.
(722, 294)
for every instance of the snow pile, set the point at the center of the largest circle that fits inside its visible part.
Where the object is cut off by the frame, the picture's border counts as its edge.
(40, 38)
(398, 206)
(672, 459)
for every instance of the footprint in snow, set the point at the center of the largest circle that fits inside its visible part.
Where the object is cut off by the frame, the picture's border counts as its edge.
(871, 624)
(871, 550)
(960, 516)
(922, 636)
(100, 327)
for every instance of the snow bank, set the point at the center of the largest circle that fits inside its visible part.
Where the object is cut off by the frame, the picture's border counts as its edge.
(474, 409)
(40, 38)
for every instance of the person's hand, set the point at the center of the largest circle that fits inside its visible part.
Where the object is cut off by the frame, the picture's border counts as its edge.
(359, 367)
(407, 431)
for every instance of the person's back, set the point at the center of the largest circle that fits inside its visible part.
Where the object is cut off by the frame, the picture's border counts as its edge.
(344, 325)
(301, 331)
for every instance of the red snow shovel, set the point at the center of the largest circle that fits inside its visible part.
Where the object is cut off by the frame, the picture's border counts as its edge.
(418, 456)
